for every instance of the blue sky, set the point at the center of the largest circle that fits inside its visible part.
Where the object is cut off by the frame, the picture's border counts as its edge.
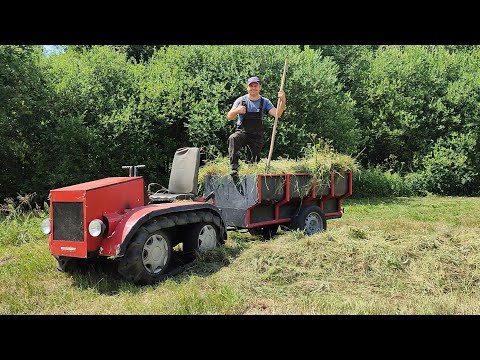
(52, 49)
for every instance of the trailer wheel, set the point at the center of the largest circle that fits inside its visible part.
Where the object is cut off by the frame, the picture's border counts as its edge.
(201, 237)
(147, 257)
(267, 232)
(310, 219)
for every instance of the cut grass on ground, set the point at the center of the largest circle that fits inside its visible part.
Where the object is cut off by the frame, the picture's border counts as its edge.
(384, 256)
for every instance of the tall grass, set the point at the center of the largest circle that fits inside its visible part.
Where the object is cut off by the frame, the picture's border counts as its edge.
(18, 218)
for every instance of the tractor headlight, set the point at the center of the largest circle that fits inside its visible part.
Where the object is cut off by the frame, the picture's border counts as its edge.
(46, 226)
(96, 227)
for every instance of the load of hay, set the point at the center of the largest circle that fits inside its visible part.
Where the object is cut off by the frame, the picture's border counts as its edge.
(319, 160)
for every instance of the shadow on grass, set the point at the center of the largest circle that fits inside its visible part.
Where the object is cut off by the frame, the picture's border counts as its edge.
(102, 276)
(378, 201)
(209, 262)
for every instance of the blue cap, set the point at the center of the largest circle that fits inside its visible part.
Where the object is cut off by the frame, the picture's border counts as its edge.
(253, 79)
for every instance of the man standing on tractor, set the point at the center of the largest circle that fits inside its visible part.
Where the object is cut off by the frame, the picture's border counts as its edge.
(248, 110)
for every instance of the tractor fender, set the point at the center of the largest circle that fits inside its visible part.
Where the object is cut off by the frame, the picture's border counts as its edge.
(115, 245)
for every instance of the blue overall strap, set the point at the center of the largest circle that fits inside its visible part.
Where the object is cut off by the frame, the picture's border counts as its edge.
(262, 105)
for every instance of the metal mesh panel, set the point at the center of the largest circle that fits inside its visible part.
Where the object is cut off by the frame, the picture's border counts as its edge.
(68, 221)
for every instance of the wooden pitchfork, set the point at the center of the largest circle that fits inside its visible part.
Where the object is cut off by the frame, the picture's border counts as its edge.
(274, 131)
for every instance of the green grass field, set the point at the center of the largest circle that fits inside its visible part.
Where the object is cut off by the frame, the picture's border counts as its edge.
(384, 256)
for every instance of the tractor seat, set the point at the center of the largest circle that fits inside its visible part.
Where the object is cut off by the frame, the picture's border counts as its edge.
(183, 183)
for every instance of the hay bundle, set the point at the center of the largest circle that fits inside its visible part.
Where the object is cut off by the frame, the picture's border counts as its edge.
(319, 160)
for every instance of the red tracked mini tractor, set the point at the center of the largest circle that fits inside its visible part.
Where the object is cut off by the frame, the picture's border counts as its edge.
(117, 218)
(114, 218)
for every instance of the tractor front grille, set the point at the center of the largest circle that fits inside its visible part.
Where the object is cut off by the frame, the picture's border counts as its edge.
(68, 221)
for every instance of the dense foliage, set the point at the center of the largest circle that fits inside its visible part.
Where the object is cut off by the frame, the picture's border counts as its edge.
(410, 112)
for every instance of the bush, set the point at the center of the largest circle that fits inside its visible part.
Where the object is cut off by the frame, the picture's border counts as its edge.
(449, 168)
(25, 107)
(377, 182)
(411, 96)
(415, 184)
(371, 183)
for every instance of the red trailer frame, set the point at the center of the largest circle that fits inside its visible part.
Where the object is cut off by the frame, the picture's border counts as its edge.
(309, 200)
(265, 200)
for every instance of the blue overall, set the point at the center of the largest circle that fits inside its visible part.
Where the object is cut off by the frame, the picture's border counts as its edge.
(249, 133)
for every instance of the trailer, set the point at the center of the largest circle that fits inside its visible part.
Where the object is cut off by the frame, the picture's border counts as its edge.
(263, 202)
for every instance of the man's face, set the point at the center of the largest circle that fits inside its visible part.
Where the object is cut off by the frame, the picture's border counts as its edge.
(253, 88)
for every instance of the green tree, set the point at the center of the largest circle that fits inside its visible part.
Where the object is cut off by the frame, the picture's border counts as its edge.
(352, 61)
(413, 95)
(24, 116)
(138, 52)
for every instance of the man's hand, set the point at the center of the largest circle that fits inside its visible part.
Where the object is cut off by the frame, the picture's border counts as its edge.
(281, 96)
(283, 99)
(241, 109)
